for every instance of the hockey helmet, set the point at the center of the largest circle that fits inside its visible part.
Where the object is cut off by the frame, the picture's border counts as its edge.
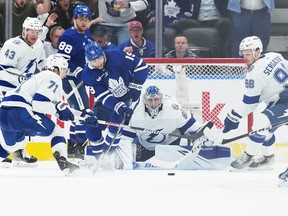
(81, 11)
(251, 43)
(153, 100)
(57, 61)
(93, 51)
(32, 23)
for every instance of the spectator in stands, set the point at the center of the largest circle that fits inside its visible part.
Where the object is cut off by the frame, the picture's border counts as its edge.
(23, 9)
(115, 15)
(64, 10)
(51, 47)
(100, 35)
(214, 13)
(177, 14)
(137, 44)
(2, 28)
(181, 49)
(250, 18)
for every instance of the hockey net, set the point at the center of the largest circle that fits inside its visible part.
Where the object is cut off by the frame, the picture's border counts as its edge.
(208, 88)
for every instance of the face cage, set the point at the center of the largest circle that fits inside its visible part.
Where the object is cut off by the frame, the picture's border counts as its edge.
(153, 110)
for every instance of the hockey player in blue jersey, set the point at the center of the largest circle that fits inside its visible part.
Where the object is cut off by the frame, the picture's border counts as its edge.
(71, 45)
(23, 112)
(116, 79)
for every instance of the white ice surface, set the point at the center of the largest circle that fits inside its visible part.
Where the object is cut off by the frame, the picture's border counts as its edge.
(44, 191)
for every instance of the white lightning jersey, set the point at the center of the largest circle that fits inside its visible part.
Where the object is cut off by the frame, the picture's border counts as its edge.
(39, 93)
(171, 118)
(18, 57)
(264, 81)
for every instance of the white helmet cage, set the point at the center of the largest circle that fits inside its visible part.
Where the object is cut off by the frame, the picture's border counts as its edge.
(251, 43)
(32, 23)
(57, 61)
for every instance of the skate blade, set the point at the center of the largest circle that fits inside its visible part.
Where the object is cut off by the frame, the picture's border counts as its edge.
(266, 168)
(23, 164)
(282, 183)
(5, 165)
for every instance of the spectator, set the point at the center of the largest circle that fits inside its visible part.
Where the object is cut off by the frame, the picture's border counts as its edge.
(51, 47)
(250, 18)
(177, 14)
(181, 49)
(214, 13)
(100, 35)
(137, 44)
(23, 9)
(115, 15)
(64, 10)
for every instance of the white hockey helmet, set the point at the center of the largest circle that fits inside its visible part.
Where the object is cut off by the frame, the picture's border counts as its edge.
(153, 100)
(32, 23)
(251, 43)
(57, 61)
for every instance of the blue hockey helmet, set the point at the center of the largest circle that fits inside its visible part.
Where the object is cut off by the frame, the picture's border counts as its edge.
(81, 11)
(153, 100)
(93, 51)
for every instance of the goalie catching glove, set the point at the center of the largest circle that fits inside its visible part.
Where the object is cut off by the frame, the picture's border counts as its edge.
(89, 119)
(63, 111)
(231, 121)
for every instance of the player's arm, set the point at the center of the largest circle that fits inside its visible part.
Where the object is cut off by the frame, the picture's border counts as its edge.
(67, 48)
(139, 74)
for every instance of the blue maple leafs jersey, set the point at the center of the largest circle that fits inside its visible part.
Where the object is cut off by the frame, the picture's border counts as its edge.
(110, 85)
(72, 46)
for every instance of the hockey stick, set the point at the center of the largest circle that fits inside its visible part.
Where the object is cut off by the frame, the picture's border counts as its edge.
(74, 90)
(190, 137)
(11, 72)
(272, 126)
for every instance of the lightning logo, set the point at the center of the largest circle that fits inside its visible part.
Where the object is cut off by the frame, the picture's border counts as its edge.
(285, 114)
(154, 137)
(39, 121)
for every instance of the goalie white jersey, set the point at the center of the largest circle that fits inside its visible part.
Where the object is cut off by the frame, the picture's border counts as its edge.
(17, 57)
(170, 119)
(39, 93)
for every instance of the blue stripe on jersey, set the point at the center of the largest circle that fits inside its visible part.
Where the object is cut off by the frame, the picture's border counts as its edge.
(40, 97)
(251, 100)
(6, 84)
(15, 98)
(187, 125)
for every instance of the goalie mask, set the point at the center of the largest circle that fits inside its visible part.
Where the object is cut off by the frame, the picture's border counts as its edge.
(59, 62)
(153, 101)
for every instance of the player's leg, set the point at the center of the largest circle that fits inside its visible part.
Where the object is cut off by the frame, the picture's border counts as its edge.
(79, 101)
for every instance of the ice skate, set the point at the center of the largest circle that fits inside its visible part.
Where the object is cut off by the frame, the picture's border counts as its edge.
(64, 165)
(21, 158)
(283, 179)
(244, 161)
(6, 163)
(263, 163)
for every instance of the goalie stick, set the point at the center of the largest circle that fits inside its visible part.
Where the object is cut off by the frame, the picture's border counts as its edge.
(190, 137)
(272, 126)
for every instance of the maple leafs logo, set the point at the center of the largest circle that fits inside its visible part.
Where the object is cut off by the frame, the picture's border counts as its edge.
(171, 9)
(117, 87)
(110, 9)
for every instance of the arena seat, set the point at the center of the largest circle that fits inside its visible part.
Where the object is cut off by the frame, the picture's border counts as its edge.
(203, 39)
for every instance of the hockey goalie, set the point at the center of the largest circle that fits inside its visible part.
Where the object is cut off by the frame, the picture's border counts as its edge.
(158, 148)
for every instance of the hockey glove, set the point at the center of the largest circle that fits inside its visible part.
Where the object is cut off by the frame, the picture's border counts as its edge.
(122, 110)
(64, 112)
(231, 121)
(89, 118)
(134, 91)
